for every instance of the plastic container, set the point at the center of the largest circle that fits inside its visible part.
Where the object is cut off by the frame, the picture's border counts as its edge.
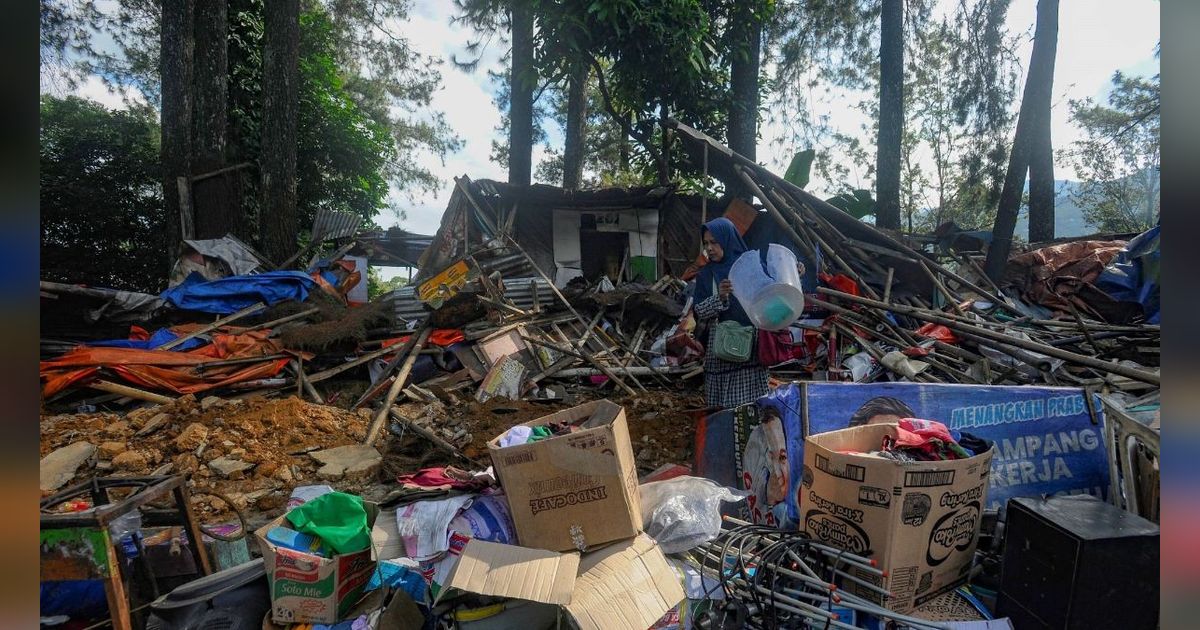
(773, 298)
(298, 541)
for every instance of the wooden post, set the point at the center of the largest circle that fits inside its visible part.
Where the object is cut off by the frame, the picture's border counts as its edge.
(114, 388)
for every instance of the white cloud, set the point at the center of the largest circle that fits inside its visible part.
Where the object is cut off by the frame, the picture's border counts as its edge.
(465, 100)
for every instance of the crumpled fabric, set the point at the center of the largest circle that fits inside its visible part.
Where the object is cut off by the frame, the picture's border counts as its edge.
(516, 435)
(924, 440)
(445, 478)
(141, 339)
(1061, 277)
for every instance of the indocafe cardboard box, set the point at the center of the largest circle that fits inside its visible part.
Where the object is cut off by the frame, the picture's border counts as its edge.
(919, 520)
(574, 491)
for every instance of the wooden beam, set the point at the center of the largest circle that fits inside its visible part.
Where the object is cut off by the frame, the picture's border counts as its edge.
(132, 392)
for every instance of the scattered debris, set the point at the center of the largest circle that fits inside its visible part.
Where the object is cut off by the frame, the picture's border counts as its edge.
(58, 468)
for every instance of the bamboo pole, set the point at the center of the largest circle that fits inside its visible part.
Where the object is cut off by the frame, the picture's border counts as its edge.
(284, 320)
(433, 439)
(397, 386)
(1079, 359)
(131, 392)
(213, 326)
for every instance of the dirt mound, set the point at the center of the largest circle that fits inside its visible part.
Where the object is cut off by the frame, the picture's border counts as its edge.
(254, 451)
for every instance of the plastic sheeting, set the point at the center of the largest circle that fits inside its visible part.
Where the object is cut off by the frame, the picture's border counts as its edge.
(1133, 276)
(165, 370)
(229, 295)
(142, 340)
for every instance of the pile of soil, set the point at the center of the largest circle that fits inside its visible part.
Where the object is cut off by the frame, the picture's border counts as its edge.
(260, 447)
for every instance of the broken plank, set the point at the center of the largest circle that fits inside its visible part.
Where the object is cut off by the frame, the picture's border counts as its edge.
(132, 392)
(253, 308)
(397, 386)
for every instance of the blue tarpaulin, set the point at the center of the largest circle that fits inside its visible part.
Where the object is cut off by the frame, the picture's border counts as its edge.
(160, 337)
(1133, 275)
(231, 294)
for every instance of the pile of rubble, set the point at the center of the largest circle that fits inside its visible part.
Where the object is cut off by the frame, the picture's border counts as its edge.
(250, 452)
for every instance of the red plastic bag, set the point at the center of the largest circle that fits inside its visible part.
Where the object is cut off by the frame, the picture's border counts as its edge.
(839, 282)
(937, 331)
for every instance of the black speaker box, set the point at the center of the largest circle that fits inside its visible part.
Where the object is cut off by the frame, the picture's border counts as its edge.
(1077, 562)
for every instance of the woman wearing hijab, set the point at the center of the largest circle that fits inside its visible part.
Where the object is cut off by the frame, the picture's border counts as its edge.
(726, 384)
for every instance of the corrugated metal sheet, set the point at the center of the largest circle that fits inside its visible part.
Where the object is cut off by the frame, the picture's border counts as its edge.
(334, 224)
(518, 290)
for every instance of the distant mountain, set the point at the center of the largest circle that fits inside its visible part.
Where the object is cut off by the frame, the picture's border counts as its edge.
(1068, 217)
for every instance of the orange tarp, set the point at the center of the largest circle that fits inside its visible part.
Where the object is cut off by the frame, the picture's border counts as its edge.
(167, 370)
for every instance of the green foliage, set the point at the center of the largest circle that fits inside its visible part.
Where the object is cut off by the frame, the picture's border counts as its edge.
(101, 195)
(651, 59)
(377, 286)
(800, 167)
(1119, 157)
(857, 203)
(360, 84)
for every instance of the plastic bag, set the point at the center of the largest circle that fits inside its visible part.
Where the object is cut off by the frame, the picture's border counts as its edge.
(684, 512)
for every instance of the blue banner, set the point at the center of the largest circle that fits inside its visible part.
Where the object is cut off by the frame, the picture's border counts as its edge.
(1048, 440)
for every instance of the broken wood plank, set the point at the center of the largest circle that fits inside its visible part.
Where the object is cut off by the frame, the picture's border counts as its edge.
(397, 386)
(433, 439)
(305, 385)
(253, 308)
(338, 369)
(132, 392)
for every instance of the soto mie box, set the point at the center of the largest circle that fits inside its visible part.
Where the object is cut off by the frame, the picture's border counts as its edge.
(919, 520)
(306, 588)
(573, 491)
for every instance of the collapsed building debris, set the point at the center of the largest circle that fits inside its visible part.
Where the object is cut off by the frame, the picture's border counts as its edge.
(267, 388)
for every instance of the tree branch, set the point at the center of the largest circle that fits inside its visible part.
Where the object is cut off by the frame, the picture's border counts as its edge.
(643, 139)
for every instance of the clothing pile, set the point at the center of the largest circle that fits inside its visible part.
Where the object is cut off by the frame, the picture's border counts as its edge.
(929, 441)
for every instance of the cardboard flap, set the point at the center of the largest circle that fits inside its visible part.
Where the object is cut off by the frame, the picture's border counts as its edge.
(864, 438)
(510, 571)
(589, 415)
(625, 585)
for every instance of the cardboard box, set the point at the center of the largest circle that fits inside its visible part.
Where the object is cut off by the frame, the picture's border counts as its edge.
(311, 589)
(919, 520)
(573, 491)
(624, 585)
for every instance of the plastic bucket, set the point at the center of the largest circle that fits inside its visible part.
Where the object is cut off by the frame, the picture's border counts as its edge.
(773, 297)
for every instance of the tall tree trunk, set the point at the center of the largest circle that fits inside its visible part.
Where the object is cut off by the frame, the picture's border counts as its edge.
(175, 70)
(1041, 158)
(520, 112)
(891, 114)
(1038, 85)
(664, 149)
(625, 148)
(278, 222)
(573, 145)
(216, 204)
(743, 111)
